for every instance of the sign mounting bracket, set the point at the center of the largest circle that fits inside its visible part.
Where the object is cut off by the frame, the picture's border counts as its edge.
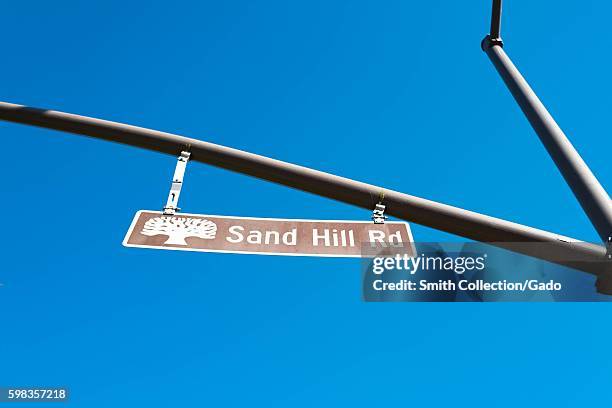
(378, 214)
(171, 206)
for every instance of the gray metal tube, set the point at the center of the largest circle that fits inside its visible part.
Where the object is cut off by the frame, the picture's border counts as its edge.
(562, 250)
(591, 195)
(496, 19)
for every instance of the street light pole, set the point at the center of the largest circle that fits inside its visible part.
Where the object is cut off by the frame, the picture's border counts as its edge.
(591, 195)
(593, 198)
(516, 237)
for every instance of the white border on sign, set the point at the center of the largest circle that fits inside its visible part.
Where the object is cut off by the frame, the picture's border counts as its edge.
(222, 251)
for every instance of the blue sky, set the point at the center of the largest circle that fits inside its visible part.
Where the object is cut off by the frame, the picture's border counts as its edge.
(313, 83)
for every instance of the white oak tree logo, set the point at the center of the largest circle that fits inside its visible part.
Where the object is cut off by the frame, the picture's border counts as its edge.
(179, 228)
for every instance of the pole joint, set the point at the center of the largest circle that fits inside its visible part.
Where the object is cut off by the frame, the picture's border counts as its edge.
(604, 278)
(494, 36)
(489, 42)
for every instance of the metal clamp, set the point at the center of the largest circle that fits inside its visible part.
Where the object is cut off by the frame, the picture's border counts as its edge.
(489, 42)
(177, 182)
(378, 214)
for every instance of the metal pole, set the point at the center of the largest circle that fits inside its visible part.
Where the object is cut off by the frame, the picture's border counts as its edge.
(496, 19)
(479, 227)
(590, 194)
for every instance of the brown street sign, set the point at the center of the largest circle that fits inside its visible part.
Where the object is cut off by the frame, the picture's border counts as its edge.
(268, 236)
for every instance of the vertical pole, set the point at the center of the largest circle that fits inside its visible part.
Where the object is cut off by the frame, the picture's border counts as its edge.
(496, 19)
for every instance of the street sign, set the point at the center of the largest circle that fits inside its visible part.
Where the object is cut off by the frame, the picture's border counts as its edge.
(267, 236)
